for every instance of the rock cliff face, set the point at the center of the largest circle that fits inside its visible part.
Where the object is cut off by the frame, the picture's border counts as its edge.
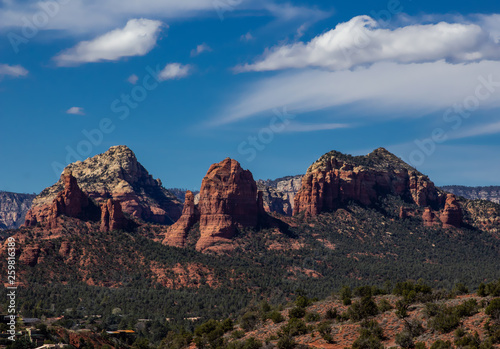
(336, 179)
(112, 217)
(429, 217)
(71, 202)
(452, 216)
(177, 233)
(279, 194)
(228, 200)
(13, 209)
(473, 193)
(116, 174)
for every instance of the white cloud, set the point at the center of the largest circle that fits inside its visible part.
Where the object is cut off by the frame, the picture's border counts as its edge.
(480, 130)
(247, 37)
(137, 38)
(361, 41)
(97, 16)
(174, 71)
(133, 79)
(75, 111)
(387, 90)
(200, 49)
(12, 70)
(300, 127)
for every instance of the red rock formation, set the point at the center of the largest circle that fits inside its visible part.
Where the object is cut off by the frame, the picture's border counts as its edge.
(452, 216)
(112, 217)
(29, 255)
(71, 202)
(403, 212)
(116, 174)
(337, 179)
(228, 200)
(422, 189)
(429, 217)
(177, 233)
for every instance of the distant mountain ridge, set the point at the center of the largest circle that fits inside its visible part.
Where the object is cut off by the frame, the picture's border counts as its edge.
(13, 209)
(491, 193)
(278, 194)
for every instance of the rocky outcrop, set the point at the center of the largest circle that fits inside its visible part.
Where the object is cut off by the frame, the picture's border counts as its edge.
(13, 209)
(279, 194)
(116, 174)
(71, 202)
(336, 178)
(473, 193)
(177, 233)
(112, 217)
(452, 216)
(29, 255)
(228, 201)
(429, 217)
(181, 193)
(404, 212)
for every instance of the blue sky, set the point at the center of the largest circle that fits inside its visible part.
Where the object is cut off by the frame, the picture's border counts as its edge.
(272, 84)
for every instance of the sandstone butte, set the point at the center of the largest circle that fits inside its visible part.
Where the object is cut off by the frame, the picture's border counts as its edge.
(336, 178)
(228, 200)
(115, 174)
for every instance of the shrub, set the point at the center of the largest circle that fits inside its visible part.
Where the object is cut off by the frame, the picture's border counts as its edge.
(445, 322)
(468, 341)
(297, 312)
(249, 320)
(312, 317)
(302, 302)
(331, 314)
(227, 325)
(294, 327)
(286, 343)
(265, 307)
(252, 343)
(440, 344)
(346, 295)
(460, 288)
(367, 343)
(237, 334)
(409, 289)
(420, 345)
(384, 306)
(467, 308)
(325, 330)
(405, 340)
(493, 309)
(363, 309)
(414, 327)
(276, 317)
(432, 309)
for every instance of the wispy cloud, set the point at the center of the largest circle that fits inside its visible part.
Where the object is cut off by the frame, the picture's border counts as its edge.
(200, 49)
(247, 37)
(301, 127)
(383, 90)
(479, 130)
(175, 71)
(137, 38)
(133, 79)
(96, 16)
(361, 41)
(75, 111)
(15, 71)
